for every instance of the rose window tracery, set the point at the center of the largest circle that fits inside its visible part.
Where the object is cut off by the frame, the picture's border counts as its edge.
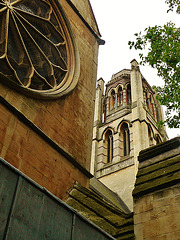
(37, 50)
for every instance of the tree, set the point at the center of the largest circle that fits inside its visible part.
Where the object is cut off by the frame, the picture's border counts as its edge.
(173, 4)
(163, 53)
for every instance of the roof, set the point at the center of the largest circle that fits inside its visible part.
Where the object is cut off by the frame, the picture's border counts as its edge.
(107, 194)
(103, 212)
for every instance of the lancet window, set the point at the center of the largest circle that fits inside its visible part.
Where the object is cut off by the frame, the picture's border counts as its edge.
(120, 96)
(150, 136)
(109, 145)
(125, 137)
(150, 103)
(104, 111)
(158, 139)
(113, 99)
(128, 93)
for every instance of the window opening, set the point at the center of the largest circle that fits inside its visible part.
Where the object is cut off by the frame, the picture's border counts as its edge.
(129, 94)
(109, 143)
(126, 139)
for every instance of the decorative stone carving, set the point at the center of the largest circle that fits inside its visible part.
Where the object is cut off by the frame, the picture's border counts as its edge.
(37, 50)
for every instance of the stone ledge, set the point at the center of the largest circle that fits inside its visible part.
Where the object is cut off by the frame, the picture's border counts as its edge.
(114, 167)
(159, 149)
(159, 168)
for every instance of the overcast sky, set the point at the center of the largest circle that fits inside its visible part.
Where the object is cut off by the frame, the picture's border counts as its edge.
(118, 20)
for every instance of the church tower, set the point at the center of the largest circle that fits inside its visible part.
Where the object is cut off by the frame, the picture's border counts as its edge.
(125, 122)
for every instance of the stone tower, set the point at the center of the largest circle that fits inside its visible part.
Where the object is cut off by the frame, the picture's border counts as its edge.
(125, 122)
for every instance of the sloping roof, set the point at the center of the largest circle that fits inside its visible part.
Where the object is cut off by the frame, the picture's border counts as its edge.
(111, 218)
(110, 196)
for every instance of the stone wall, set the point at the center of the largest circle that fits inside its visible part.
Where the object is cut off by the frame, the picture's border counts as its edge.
(157, 193)
(50, 140)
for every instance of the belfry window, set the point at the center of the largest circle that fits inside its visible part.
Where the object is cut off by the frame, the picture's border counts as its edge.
(125, 138)
(113, 99)
(129, 93)
(109, 145)
(104, 111)
(120, 96)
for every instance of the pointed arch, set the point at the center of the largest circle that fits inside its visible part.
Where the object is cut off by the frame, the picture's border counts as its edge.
(150, 135)
(109, 144)
(128, 93)
(120, 95)
(158, 139)
(104, 109)
(125, 138)
(112, 99)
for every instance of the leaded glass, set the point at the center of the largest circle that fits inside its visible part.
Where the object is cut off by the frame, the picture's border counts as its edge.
(36, 47)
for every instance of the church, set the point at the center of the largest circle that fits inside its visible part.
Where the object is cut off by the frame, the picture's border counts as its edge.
(78, 162)
(125, 123)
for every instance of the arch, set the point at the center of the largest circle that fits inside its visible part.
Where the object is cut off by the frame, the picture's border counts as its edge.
(158, 139)
(120, 95)
(109, 145)
(150, 135)
(104, 132)
(128, 93)
(104, 110)
(152, 105)
(112, 99)
(125, 138)
(149, 101)
(126, 121)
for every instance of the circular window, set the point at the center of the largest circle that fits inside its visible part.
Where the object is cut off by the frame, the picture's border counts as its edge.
(38, 53)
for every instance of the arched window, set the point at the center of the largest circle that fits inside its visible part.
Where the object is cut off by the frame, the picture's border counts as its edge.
(104, 111)
(128, 93)
(148, 103)
(125, 136)
(113, 99)
(109, 145)
(120, 96)
(158, 139)
(152, 106)
(150, 136)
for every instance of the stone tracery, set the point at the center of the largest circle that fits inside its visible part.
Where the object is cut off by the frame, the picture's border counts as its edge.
(34, 48)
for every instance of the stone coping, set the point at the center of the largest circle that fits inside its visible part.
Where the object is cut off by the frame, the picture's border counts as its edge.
(159, 168)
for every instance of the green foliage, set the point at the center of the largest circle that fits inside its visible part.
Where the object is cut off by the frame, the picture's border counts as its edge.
(173, 4)
(163, 45)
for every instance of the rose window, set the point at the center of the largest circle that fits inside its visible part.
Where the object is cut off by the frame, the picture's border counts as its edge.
(37, 50)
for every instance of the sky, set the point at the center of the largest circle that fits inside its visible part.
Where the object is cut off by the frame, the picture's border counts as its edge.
(118, 21)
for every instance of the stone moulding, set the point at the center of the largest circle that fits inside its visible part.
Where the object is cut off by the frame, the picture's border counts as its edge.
(159, 168)
(115, 167)
(38, 52)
